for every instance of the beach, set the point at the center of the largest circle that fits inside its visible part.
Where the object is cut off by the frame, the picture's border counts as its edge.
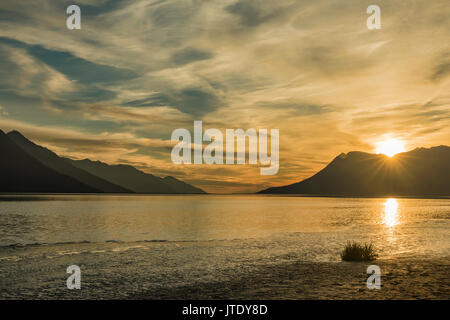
(299, 280)
(147, 271)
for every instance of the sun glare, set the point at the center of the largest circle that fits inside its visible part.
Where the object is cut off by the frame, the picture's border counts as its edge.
(390, 147)
(390, 212)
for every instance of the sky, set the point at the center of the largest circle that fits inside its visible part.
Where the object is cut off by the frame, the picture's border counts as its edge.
(115, 90)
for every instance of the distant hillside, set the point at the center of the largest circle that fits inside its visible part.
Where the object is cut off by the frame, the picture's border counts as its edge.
(28, 167)
(180, 186)
(51, 160)
(421, 172)
(20, 172)
(134, 179)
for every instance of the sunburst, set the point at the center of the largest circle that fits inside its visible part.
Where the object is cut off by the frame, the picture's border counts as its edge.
(390, 147)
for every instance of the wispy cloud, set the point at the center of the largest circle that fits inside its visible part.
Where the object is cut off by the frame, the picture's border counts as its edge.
(137, 70)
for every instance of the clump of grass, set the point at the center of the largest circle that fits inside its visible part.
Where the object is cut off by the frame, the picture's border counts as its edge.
(354, 251)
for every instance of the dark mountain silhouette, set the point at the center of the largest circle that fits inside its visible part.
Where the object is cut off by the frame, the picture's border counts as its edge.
(51, 160)
(20, 172)
(421, 172)
(181, 186)
(28, 167)
(134, 179)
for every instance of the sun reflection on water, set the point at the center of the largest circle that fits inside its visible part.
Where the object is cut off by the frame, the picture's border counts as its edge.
(390, 212)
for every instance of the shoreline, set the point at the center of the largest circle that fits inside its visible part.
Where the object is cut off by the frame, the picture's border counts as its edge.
(154, 271)
(17, 195)
(400, 280)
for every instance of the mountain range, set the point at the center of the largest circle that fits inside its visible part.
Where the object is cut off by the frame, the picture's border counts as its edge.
(28, 167)
(134, 179)
(420, 172)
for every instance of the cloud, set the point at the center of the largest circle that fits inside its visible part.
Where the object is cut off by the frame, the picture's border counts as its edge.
(140, 69)
(72, 67)
(77, 144)
(3, 112)
(9, 15)
(194, 101)
(442, 70)
(189, 55)
(23, 74)
(250, 13)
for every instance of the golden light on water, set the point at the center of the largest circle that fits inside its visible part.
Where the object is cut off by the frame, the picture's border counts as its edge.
(390, 212)
(390, 147)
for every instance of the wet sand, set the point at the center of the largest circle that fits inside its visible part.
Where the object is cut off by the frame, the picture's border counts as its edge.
(400, 279)
(192, 271)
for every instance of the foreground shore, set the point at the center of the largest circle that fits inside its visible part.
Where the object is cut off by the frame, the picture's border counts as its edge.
(300, 280)
(192, 271)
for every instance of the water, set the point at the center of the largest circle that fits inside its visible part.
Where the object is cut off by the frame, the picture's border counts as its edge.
(173, 241)
(413, 226)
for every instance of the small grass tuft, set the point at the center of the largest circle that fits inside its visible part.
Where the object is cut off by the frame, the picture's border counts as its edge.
(354, 251)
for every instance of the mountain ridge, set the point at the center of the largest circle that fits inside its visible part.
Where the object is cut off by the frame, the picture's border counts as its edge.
(134, 179)
(20, 172)
(419, 172)
(20, 156)
(52, 160)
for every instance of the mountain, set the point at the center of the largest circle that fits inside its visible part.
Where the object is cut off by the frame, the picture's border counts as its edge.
(51, 160)
(134, 179)
(180, 186)
(28, 167)
(421, 172)
(20, 172)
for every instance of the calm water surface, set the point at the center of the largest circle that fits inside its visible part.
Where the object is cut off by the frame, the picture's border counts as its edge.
(310, 228)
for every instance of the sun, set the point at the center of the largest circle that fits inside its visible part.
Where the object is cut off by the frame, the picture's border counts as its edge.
(390, 147)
